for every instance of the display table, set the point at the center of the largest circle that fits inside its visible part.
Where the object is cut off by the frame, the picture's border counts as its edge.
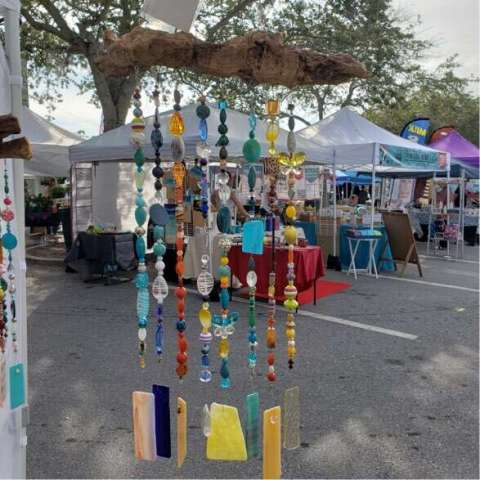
(362, 256)
(355, 239)
(309, 267)
(101, 254)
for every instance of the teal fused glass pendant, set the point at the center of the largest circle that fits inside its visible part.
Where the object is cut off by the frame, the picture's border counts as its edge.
(253, 425)
(9, 241)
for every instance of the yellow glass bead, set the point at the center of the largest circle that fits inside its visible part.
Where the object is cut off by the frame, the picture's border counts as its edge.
(297, 159)
(291, 351)
(290, 304)
(272, 151)
(290, 317)
(290, 333)
(272, 132)
(291, 212)
(175, 124)
(290, 234)
(223, 348)
(205, 318)
(223, 260)
(273, 107)
(178, 172)
(271, 291)
(224, 281)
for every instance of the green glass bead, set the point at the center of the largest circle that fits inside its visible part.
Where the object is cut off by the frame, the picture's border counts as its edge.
(203, 111)
(252, 319)
(252, 178)
(223, 116)
(224, 271)
(139, 157)
(252, 150)
(140, 216)
(139, 179)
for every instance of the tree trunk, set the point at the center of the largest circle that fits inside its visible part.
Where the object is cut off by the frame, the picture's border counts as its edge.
(114, 94)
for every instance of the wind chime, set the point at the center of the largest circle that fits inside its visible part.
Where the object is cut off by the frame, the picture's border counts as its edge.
(141, 282)
(157, 214)
(205, 281)
(224, 323)
(290, 163)
(176, 128)
(273, 110)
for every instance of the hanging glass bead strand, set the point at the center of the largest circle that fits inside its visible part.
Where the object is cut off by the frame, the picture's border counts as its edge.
(159, 285)
(205, 281)
(9, 241)
(137, 139)
(3, 298)
(252, 152)
(176, 127)
(290, 163)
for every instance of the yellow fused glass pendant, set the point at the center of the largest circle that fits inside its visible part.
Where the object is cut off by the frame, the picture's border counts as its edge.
(272, 132)
(226, 440)
(272, 447)
(181, 431)
(175, 124)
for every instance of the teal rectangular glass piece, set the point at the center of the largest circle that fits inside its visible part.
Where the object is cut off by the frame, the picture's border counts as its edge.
(253, 425)
(252, 238)
(17, 386)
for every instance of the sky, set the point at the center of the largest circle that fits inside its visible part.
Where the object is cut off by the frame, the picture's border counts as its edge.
(452, 25)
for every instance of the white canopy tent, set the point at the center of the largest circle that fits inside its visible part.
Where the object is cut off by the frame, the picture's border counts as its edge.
(103, 194)
(50, 146)
(353, 142)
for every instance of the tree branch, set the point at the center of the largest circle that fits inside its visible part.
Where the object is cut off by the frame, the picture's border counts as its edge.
(67, 33)
(43, 27)
(257, 57)
(233, 12)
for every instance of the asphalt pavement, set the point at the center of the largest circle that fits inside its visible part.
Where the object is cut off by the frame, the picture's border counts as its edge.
(387, 370)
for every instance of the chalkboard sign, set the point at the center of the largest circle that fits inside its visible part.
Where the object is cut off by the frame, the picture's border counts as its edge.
(401, 239)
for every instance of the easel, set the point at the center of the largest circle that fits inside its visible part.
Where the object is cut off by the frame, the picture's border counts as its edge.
(402, 241)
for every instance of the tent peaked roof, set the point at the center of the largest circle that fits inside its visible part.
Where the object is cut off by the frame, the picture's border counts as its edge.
(50, 145)
(353, 138)
(458, 146)
(114, 145)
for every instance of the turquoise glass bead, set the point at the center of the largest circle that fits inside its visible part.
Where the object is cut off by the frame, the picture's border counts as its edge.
(143, 303)
(159, 249)
(158, 232)
(224, 298)
(224, 271)
(9, 241)
(140, 247)
(141, 280)
(140, 215)
(252, 150)
(222, 104)
(252, 121)
(139, 157)
(139, 201)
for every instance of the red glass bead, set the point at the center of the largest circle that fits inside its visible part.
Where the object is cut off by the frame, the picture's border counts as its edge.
(180, 306)
(272, 376)
(181, 316)
(7, 201)
(271, 358)
(180, 292)
(181, 370)
(182, 344)
(181, 357)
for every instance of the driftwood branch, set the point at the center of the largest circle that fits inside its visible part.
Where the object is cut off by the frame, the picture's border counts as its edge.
(258, 57)
(17, 148)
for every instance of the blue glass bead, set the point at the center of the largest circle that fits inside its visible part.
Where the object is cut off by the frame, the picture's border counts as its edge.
(181, 325)
(234, 316)
(206, 349)
(225, 382)
(252, 357)
(140, 215)
(205, 375)
(204, 207)
(156, 138)
(9, 241)
(159, 309)
(143, 303)
(159, 249)
(140, 247)
(159, 339)
(252, 121)
(252, 337)
(137, 112)
(205, 362)
(141, 280)
(224, 372)
(139, 157)
(139, 201)
(224, 298)
(224, 271)
(158, 231)
(203, 130)
(142, 322)
(222, 104)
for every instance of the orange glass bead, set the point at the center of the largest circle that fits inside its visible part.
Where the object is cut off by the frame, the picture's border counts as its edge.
(181, 370)
(180, 269)
(175, 124)
(291, 351)
(178, 172)
(180, 292)
(182, 344)
(271, 338)
(290, 333)
(271, 358)
(273, 107)
(180, 306)
(181, 357)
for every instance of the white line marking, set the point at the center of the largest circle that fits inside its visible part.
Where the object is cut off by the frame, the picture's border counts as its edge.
(448, 259)
(432, 284)
(341, 321)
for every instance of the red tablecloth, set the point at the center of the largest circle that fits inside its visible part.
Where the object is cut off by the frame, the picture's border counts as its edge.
(309, 267)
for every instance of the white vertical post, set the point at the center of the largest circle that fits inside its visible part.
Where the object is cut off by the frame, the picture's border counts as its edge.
(12, 47)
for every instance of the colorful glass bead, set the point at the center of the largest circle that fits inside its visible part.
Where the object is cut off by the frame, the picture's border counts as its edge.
(175, 125)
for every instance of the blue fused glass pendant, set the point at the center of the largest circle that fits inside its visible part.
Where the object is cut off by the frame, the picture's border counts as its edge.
(162, 421)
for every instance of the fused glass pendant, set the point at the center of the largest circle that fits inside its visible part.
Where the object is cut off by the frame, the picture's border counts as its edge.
(226, 440)
(252, 431)
(206, 421)
(3, 381)
(272, 447)
(224, 220)
(162, 420)
(17, 386)
(181, 431)
(144, 425)
(291, 418)
(252, 237)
